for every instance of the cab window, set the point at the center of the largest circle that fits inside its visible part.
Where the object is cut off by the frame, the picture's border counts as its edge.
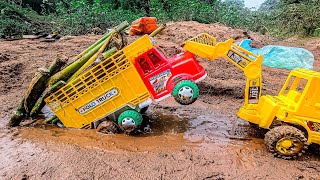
(155, 59)
(295, 88)
(297, 84)
(144, 65)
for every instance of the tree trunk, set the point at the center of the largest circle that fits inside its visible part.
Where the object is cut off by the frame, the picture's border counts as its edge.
(18, 116)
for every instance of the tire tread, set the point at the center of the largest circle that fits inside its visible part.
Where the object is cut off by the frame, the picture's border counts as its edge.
(275, 134)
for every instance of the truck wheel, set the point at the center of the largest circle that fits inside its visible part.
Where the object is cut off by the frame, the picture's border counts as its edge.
(143, 110)
(108, 127)
(185, 92)
(130, 121)
(256, 126)
(286, 142)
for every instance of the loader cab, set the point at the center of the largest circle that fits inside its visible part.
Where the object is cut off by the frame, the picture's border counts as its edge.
(301, 92)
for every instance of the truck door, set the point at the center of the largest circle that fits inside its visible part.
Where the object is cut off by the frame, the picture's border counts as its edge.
(156, 71)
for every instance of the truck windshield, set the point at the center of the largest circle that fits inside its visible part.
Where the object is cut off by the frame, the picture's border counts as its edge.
(155, 59)
(162, 53)
(144, 65)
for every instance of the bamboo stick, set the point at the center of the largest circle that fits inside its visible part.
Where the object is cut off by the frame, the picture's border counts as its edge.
(72, 68)
(109, 53)
(118, 28)
(50, 119)
(37, 85)
(92, 58)
(106, 54)
(35, 89)
(158, 30)
(57, 64)
(66, 73)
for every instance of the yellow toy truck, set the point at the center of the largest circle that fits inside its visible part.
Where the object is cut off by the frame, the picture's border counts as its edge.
(111, 88)
(121, 86)
(296, 107)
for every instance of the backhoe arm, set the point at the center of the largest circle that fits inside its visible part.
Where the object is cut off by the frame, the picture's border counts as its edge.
(205, 46)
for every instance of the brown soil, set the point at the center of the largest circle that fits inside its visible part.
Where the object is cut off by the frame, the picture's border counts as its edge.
(202, 141)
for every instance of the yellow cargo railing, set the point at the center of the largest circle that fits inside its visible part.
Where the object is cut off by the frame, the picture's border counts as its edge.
(89, 80)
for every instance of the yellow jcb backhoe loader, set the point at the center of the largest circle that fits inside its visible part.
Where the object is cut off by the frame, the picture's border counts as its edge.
(296, 107)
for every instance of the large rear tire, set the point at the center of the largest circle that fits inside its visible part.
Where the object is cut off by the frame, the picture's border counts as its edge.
(286, 142)
(185, 92)
(130, 121)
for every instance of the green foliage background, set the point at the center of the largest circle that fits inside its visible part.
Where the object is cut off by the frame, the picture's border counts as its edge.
(279, 18)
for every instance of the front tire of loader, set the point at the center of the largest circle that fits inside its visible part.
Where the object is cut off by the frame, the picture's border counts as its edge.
(185, 92)
(130, 121)
(286, 142)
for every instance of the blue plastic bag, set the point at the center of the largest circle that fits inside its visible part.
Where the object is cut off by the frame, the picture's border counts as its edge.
(282, 56)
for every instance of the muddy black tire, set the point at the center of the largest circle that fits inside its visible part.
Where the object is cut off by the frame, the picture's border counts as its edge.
(253, 125)
(143, 110)
(277, 140)
(185, 92)
(315, 148)
(108, 127)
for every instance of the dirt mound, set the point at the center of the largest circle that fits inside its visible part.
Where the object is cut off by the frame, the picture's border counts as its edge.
(224, 85)
(20, 59)
(4, 57)
(9, 76)
(177, 32)
(188, 141)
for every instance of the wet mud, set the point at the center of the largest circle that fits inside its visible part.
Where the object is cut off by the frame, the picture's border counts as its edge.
(202, 141)
(176, 144)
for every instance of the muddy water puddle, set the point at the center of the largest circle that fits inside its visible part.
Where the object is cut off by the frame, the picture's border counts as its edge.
(163, 130)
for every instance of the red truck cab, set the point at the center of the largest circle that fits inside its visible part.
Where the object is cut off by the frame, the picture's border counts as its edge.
(161, 75)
